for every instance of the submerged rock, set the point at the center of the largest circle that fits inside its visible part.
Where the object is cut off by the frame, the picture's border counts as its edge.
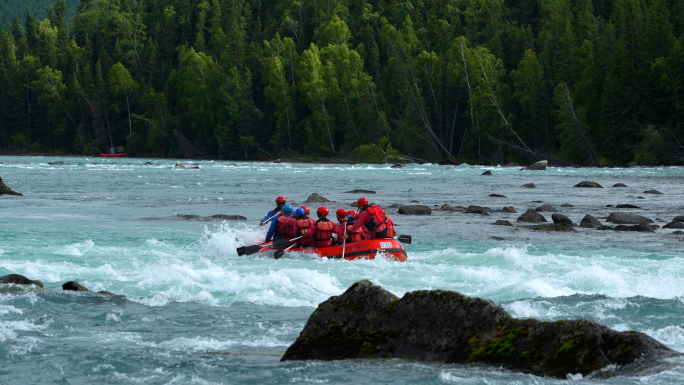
(488, 172)
(532, 216)
(18, 279)
(552, 227)
(587, 183)
(674, 225)
(643, 227)
(653, 192)
(4, 190)
(447, 207)
(473, 209)
(315, 198)
(360, 192)
(619, 185)
(397, 165)
(367, 321)
(415, 210)
(509, 209)
(58, 163)
(627, 219)
(548, 208)
(502, 222)
(497, 196)
(567, 205)
(529, 185)
(539, 166)
(627, 206)
(590, 222)
(74, 286)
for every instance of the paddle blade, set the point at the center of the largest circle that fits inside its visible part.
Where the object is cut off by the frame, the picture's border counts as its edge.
(241, 250)
(249, 250)
(278, 254)
(280, 244)
(404, 239)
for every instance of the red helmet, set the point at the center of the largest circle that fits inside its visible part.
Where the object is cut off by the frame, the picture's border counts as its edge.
(323, 211)
(281, 199)
(341, 213)
(362, 202)
(352, 213)
(306, 210)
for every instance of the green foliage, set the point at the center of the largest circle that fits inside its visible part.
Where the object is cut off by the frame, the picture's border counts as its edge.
(591, 83)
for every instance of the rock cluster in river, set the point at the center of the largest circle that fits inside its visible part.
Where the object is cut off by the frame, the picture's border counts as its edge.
(18, 279)
(367, 321)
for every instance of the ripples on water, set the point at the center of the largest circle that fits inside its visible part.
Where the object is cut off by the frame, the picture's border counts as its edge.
(189, 309)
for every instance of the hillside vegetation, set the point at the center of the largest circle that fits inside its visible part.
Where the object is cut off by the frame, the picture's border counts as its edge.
(573, 81)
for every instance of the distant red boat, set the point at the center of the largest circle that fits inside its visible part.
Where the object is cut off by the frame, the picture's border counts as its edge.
(119, 155)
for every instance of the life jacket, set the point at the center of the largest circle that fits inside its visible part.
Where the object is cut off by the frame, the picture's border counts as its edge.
(304, 225)
(354, 236)
(377, 218)
(324, 230)
(285, 227)
(391, 233)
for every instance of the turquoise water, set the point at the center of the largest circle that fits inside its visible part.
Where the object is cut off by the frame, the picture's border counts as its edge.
(189, 310)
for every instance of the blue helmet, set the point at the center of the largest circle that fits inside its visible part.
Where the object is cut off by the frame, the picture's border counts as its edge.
(287, 208)
(351, 218)
(299, 212)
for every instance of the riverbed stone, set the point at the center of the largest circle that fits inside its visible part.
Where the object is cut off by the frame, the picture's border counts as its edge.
(656, 192)
(502, 222)
(674, 225)
(531, 216)
(367, 321)
(590, 222)
(529, 185)
(587, 183)
(548, 208)
(619, 185)
(74, 286)
(415, 210)
(561, 219)
(642, 227)
(509, 209)
(18, 279)
(315, 198)
(4, 190)
(627, 219)
(474, 209)
(561, 227)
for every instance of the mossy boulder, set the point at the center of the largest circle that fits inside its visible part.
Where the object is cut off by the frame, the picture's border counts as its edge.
(436, 325)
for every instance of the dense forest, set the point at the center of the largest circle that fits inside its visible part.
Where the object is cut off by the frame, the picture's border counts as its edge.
(578, 82)
(37, 8)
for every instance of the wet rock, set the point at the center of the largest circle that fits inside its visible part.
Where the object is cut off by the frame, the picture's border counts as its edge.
(509, 209)
(497, 196)
(4, 190)
(619, 185)
(446, 207)
(539, 166)
(415, 210)
(656, 192)
(105, 292)
(627, 206)
(679, 218)
(678, 232)
(397, 165)
(643, 227)
(532, 216)
(74, 286)
(147, 164)
(529, 185)
(179, 165)
(494, 237)
(567, 205)
(224, 217)
(58, 163)
(627, 219)
(315, 198)
(367, 321)
(604, 227)
(561, 219)
(360, 192)
(552, 227)
(473, 209)
(18, 279)
(502, 222)
(413, 201)
(488, 172)
(590, 222)
(587, 183)
(674, 225)
(548, 208)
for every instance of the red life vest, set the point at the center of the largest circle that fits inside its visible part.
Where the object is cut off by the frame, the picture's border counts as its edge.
(354, 236)
(377, 218)
(390, 228)
(285, 227)
(304, 225)
(324, 230)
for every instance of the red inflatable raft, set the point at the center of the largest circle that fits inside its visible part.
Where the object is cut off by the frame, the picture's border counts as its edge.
(366, 249)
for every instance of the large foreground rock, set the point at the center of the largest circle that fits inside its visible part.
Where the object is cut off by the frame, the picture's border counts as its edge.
(435, 325)
(627, 219)
(415, 210)
(6, 190)
(18, 279)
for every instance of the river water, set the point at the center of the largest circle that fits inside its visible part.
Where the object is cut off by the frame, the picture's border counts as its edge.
(188, 309)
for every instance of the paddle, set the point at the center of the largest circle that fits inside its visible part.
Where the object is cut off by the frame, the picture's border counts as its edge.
(238, 240)
(404, 239)
(280, 243)
(249, 249)
(344, 239)
(280, 253)
(268, 220)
